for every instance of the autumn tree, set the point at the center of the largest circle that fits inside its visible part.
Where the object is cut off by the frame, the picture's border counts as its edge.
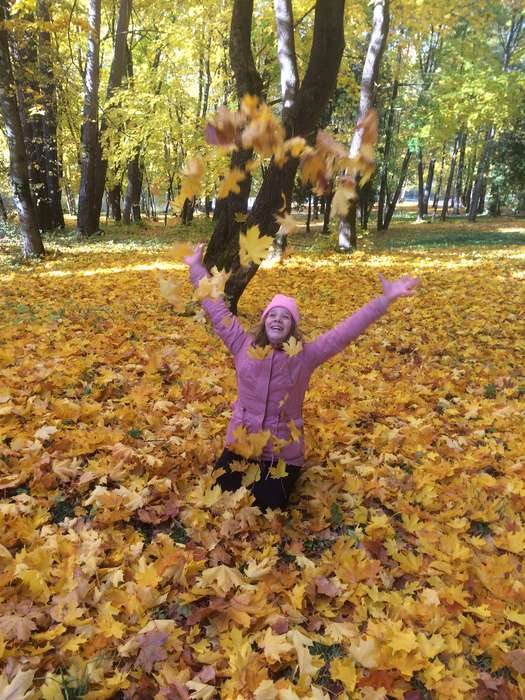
(88, 218)
(31, 240)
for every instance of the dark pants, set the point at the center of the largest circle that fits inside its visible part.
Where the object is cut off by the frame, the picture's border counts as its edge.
(268, 492)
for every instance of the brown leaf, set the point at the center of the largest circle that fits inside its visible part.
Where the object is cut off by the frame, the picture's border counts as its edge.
(151, 650)
(516, 659)
(326, 587)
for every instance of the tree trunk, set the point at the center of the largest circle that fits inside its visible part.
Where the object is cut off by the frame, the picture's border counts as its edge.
(428, 185)
(3, 210)
(223, 246)
(88, 218)
(477, 190)
(31, 240)
(302, 120)
(49, 121)
(29, 92)
(393, 203)
(116, 76)
(133, 190)
(437, 193)
(309, 215)
(382, 200)
(459, 176)
(420, 187)
(448, 189)
(367, 100)
(114, 198)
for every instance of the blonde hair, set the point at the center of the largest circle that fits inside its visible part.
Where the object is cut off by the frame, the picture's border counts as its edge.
(260, 339)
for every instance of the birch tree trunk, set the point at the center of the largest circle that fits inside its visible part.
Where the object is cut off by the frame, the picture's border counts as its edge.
(31, 240)
(88, 217)
(367, 100)
(448, 189)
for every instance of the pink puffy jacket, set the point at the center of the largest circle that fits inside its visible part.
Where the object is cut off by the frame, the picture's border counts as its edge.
(270, 392)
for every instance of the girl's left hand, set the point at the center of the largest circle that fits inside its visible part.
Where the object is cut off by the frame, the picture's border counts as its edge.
(403, 287)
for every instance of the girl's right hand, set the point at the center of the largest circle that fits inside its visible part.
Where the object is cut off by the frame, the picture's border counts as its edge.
(196, 256)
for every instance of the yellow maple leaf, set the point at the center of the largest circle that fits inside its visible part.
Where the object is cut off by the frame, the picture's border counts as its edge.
(288, 223)
(279, 471)
(399, 638)
(274, 645)
(266, 690)
(221, 577)
(344, 670)
(295, 433)
(191, 180)
(302, 644)
(253, 248)
(364, 651)
(256, 570)
(256, 352)
(230, 182)
(247, 444)
(252, 474)
(19, 687)
(107, 624)
(169, 289)
(293, 346)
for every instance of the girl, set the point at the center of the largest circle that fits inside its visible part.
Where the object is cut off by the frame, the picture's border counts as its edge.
(271, 386)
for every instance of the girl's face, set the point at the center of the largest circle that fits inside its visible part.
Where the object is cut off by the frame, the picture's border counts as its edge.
(278, 325)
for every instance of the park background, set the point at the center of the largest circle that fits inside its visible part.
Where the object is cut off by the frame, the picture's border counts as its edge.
(398, 570)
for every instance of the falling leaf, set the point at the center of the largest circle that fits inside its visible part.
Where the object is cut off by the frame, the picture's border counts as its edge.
(230, 182)
(279, 471)
(170, 291)
(247, 444)
(288, 223)
(253, 248)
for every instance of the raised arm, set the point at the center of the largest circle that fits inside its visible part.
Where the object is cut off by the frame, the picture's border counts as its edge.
(333, 341)
(224, 322)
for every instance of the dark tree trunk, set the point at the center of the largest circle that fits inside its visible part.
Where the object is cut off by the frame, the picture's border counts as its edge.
(420, 187)
(223, 246)
(327, 211)
(437, 193)
(88, 218)
(302, 120)
(116, 76)
(3, 210)
(383, 186)
(133, 190)
(309, 215)
(49, 121)
(393, 202)
(114, 198)
(459, 176)
(448, 189)
(428, 185)
(31, 240)
(477, 190)
(29, 92)
(367, 100)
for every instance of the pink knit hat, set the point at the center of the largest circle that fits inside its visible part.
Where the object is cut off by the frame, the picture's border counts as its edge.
(284, 302)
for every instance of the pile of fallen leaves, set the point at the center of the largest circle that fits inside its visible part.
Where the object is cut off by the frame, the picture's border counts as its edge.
(398, 570)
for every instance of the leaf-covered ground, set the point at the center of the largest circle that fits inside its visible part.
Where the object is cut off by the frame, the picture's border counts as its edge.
(398, 570)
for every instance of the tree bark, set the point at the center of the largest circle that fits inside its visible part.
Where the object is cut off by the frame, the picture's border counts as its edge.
(303, 117)
(133, 190)
(459, 176)
(367, 100)
(448, 189)
(25, 51)
(477, 190)
(49, 121)
(31, 240)
(428, 185)
(382, 200)
(88, 218)
(393, 202)
(3, 210)
(116, 76)
(114, 197)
